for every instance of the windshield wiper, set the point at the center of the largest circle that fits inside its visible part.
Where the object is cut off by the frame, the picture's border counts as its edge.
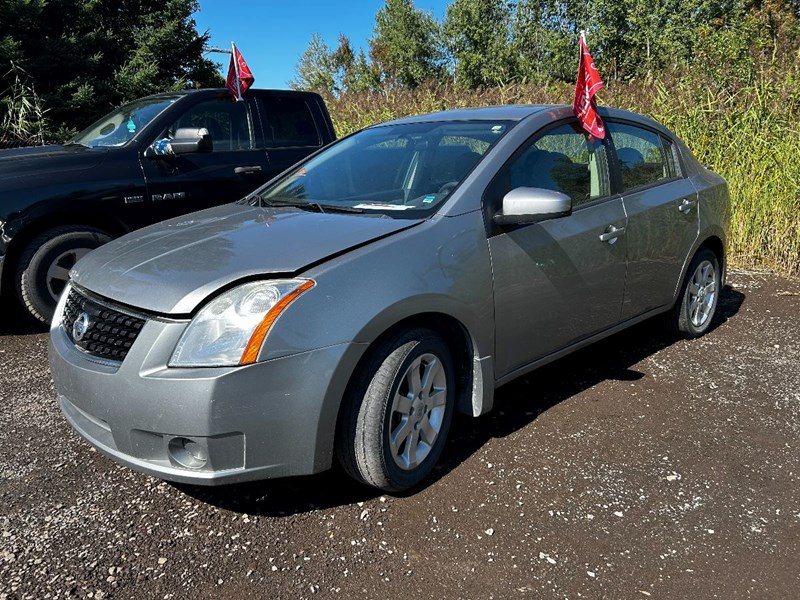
(337, 208)
(312, 206)
(250, 200)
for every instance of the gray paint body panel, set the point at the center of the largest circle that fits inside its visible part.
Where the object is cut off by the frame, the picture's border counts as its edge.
(660, 238)
(171, 267)
(555, 283)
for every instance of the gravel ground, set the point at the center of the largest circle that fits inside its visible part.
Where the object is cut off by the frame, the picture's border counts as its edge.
(638, 468)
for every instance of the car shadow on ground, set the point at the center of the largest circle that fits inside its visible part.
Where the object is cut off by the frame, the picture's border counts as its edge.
(16, 321)
(517, 405)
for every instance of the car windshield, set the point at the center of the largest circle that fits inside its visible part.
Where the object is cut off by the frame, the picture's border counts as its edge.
(394, 169)
(119, 126)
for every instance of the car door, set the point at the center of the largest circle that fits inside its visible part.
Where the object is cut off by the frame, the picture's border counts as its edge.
(663, 216)
(560, 280)
(236, 166)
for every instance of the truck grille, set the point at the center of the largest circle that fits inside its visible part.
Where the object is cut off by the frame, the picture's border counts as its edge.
(104, 331)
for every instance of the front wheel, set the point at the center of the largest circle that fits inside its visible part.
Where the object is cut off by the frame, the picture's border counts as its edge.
(43, 268)
(396, 422)
(697, 303)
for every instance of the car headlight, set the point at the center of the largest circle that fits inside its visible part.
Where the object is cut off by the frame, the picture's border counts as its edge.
(230, 329)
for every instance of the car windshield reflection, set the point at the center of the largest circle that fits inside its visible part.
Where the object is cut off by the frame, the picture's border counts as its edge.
(120, 126)
(396, 169)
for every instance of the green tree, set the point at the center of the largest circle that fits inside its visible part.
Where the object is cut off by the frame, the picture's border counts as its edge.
(322, 70)
(636, 38)
(478, 38)
(354, 72)
(406, 47)
(85, 56)
(315, 67)
(544, 40)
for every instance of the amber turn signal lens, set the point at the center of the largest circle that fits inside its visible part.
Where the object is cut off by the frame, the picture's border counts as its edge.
(257, 339)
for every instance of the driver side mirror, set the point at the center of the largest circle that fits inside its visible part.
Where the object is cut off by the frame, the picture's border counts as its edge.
(187, 140)
(524, 205)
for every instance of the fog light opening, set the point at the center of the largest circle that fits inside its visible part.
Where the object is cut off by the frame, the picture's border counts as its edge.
(188, 453)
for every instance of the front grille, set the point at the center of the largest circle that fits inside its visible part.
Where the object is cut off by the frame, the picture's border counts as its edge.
(109, 333)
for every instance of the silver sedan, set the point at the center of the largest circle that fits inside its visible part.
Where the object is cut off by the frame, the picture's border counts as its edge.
(348, 308)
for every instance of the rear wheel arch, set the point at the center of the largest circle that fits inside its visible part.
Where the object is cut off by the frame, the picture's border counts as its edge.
(694, 309)
(716, 245)
(711, 242)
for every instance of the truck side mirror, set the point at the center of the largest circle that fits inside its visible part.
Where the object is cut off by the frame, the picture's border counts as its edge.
(188, 140)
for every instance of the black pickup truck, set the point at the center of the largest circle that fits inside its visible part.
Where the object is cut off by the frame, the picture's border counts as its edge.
(152, 159)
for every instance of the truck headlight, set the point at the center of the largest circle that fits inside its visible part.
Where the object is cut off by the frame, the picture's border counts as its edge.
(230, 329)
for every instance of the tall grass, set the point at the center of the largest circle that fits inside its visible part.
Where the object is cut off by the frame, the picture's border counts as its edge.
(22, 112)
(748, 132)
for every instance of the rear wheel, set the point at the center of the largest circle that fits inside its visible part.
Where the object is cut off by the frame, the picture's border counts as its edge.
(697, 303)
(43, 268)
(396, 423)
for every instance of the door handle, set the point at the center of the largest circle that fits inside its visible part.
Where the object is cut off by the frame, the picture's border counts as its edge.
(247, 170)
(687, 205)
(611, 234)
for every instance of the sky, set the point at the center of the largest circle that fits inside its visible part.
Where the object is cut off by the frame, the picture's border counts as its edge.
(272, 34)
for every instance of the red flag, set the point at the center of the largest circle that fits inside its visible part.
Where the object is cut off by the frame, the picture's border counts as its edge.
(240, 79)
(584, 105)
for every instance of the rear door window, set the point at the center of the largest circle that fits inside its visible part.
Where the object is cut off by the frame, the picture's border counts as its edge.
(645, 157)
(288, 122)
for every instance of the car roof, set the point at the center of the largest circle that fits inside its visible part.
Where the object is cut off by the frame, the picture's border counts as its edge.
(223, 91)
(511, 112)
(519, 112)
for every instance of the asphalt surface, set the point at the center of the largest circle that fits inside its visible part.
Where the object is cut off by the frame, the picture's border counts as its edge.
(638, 468)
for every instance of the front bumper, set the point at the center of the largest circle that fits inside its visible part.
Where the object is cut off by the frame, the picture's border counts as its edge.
(269, 419)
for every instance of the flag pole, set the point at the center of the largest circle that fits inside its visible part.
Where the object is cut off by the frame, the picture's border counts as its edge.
(236, 70)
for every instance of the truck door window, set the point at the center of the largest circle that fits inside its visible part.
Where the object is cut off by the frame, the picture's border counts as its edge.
(227, 120)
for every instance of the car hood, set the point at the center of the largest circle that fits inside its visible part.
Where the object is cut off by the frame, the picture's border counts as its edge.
(40, 160)
(172, 267)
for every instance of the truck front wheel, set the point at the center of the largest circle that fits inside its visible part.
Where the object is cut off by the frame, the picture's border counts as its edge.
(43, 268)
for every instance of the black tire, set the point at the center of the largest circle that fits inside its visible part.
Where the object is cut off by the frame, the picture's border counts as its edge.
(59, 248)
(697, 303)
(372, 414)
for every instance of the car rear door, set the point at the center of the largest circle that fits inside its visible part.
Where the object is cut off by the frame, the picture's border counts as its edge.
(237, 164)
(561, 280)
(663, 216)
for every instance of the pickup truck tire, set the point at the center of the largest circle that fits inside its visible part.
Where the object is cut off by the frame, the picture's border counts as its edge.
(43, 267)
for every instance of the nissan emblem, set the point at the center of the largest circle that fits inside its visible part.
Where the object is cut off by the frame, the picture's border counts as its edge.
(80, 326)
